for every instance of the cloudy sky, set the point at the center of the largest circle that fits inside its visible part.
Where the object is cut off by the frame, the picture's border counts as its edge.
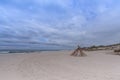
(58, 23)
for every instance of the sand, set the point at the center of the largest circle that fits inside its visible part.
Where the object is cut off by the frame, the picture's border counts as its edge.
(59, 65)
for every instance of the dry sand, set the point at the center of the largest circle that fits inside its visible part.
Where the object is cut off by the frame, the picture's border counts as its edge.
(59, 65)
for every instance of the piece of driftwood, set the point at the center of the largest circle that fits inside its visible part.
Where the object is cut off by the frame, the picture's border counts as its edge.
(78, 52)
(117, 52)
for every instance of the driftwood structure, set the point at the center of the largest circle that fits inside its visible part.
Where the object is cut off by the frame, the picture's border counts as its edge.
(78, 52)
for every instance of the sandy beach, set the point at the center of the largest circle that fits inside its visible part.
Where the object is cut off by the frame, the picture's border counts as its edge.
(59, 65)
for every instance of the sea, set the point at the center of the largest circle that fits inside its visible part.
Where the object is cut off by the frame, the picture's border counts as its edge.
(24, 51)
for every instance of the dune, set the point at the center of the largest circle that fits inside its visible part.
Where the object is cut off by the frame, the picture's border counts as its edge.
(59, 65)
